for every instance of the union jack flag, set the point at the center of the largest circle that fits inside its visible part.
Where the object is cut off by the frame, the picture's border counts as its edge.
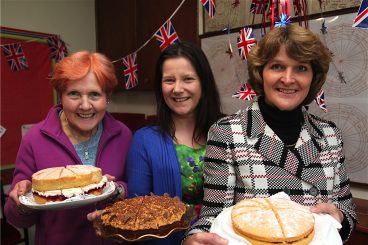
(58, 48)
(166, 35)
(320, 100)
(210, 6)
(245, 42)
(15, 56)
(130, 69)
(258, 6)
(245, 93)
(361, 21)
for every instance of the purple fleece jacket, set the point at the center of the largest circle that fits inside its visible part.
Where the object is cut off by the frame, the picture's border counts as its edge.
(45, 146)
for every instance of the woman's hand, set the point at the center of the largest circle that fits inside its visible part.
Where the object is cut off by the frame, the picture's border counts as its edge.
(21, 188)
(119, 190)
(93, 218)
(110, 177)
(94, 215)
(330, 209)
(204, 238)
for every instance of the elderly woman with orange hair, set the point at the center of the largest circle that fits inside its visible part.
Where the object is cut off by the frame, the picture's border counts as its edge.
(79, 130)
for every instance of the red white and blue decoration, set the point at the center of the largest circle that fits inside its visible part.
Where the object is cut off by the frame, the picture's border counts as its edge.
(320, 100)
(57, 47)
(209, 6)
(245, 93)
(284, 20)
(246, 41)
(166, 35)
(15, 56)
(130, 69)
(258, 6)
(361, 20)
(324, 27)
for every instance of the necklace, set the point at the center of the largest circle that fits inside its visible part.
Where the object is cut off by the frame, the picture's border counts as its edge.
(73, 136)
(86, 150)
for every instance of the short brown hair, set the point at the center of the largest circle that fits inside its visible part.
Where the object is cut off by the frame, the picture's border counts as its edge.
(78, 65)
(302, 45)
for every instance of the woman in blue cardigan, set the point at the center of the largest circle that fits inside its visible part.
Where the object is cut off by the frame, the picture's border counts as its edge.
(168, 157)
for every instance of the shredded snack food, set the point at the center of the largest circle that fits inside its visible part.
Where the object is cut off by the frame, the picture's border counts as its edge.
(273, 221)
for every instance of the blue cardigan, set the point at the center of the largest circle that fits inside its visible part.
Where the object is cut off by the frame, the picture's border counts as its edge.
(153, 166)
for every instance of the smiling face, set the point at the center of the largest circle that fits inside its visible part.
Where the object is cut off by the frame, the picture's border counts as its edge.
(84, 104)
(286, 81)
(181, 87)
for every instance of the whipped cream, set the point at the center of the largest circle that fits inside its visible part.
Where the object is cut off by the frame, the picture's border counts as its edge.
(71, 192)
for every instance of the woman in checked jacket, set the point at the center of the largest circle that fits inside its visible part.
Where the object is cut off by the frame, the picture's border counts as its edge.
(275, 145)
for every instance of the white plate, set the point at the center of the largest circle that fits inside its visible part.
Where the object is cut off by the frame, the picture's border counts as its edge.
(325, 227)
(72, 202)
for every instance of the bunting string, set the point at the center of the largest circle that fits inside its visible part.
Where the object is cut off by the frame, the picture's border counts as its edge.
(153, 35)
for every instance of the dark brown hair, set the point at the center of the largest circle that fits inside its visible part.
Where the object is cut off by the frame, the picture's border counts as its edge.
(208, 109)
(300, 44)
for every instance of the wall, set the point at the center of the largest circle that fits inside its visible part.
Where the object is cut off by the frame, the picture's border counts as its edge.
(74, 21)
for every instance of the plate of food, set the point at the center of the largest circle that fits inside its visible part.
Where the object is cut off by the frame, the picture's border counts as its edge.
(144, 218)
(275, 221)
(67, 187)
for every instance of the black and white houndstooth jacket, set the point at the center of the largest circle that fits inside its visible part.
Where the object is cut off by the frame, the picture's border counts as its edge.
(246, 159)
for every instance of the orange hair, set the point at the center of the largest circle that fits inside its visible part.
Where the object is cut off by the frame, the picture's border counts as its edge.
(78, 65)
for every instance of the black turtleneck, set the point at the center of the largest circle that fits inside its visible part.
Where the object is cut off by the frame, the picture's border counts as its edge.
(286, 124)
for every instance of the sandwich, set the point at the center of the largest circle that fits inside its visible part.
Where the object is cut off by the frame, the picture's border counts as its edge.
(272, 221)
(61, 183)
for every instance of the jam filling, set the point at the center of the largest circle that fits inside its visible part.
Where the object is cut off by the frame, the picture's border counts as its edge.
(60, 198)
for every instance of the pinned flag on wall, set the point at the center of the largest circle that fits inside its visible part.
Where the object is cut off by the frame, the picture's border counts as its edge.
(58, 48)
(245, 93)
(320, 100)
(361, 20)
(246, 41)
(15, 56)
(209, 6)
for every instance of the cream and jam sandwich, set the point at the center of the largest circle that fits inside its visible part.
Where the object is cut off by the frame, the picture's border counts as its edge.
(61, 183)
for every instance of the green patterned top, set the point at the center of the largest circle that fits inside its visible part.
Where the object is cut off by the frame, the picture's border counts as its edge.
(191, 166)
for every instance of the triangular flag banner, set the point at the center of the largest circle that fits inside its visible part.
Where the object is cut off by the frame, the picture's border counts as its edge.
(361, 20)
(246, 41)
(15, 56)
(166, 35)
(130, 69)
(320, 100)
(245, 93)
(209, 6)
(58, 48)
